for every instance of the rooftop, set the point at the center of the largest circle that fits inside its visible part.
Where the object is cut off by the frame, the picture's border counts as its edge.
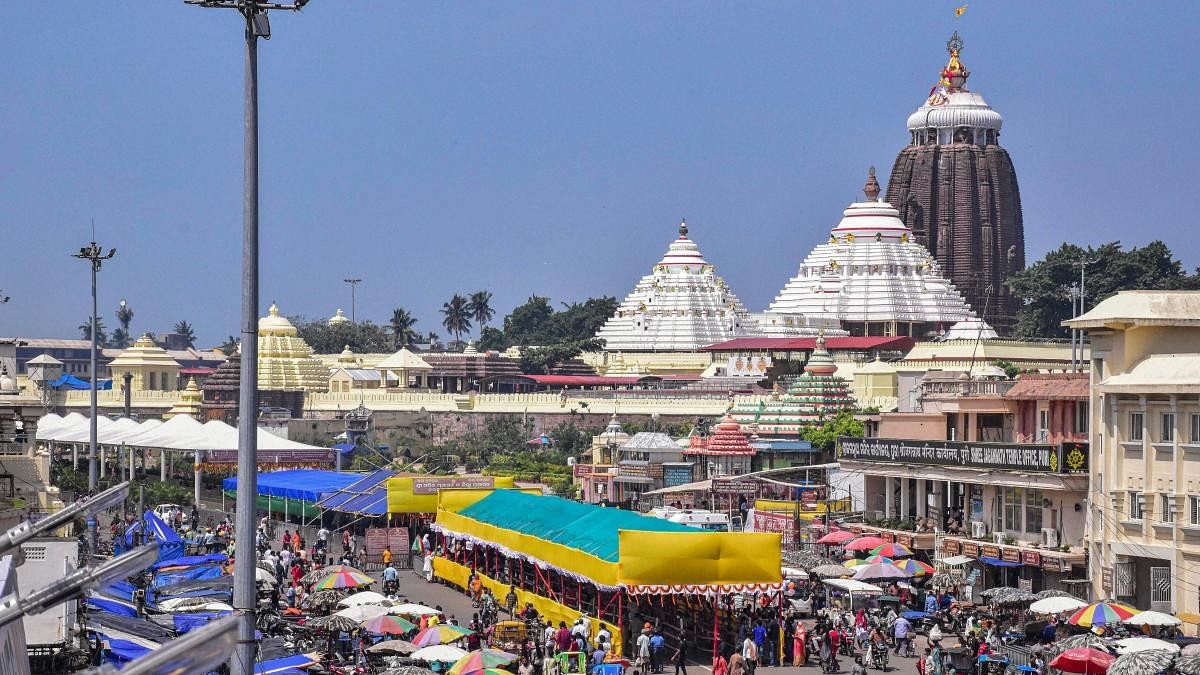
(1128, 309)
(1050, 387)
(893, 342)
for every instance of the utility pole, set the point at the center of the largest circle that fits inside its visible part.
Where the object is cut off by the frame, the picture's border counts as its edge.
(254, 16)
(96, 256)
(1083, 263)
(353, 286)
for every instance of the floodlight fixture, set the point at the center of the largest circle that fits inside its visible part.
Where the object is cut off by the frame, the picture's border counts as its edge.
(200, 651)
(87, 508)
(77, 583)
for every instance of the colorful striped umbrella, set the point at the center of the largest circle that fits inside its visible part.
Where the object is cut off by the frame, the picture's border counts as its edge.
(879, 571)
(1086, 661)
(892, 550)
(878, 559)
(1101, 614)
(914, 567)
(388, 625)
(865, 544)
(480, 660)
(343, 579)
(442, 633)
(855, 562)
(836, 537)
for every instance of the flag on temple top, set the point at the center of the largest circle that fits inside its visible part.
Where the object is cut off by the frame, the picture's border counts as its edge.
(959, 11)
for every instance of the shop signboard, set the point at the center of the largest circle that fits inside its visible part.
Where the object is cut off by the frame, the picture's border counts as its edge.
(904, 540)
(379, 538)
(1031, 558)
(1010, 555)
(951, 547)
(676, 474)
(1025, 585)
(734, 486)
(1005, 456)
(429, 486)
(1106, 579)
(970, 549)
(777, 522)
(887, 536)
(582, 470)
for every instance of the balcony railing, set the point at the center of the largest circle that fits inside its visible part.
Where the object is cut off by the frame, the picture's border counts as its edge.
(959, 388)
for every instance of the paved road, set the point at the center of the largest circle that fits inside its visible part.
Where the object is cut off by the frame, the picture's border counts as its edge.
(414, 588)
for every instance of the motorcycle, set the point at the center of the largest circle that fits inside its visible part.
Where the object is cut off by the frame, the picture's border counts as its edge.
(877, 653)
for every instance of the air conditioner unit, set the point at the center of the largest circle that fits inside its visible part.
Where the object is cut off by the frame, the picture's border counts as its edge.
(998, 537)
(978, 529)
(1049, 537)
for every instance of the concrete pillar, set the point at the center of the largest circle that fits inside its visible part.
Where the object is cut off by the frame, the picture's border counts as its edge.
(75, 456)
(905, 511)
(888, 487)
(922, 498)
(162, 465)
(196, 488)
(132, 463)
(102, 461)
(970, 433)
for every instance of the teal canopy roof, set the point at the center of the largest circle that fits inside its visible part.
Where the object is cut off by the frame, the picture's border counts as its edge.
(591, 529)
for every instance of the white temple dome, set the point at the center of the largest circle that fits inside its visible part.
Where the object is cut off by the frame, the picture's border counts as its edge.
(962, 109)
(681, 306)
(338, 318)
(970, 329)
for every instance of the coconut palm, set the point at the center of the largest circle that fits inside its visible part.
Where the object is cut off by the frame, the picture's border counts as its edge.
(184, 328)
(229, 346)
(480, 307)
(86, 329)
(401, 327)
(456, 316)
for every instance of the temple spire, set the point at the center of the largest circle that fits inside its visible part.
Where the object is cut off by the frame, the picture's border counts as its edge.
(871, 189)
(683, 228)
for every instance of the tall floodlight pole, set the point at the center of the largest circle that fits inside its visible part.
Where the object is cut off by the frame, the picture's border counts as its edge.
(1083, 263)
(353, 286)
(96, 256)
(254, 15)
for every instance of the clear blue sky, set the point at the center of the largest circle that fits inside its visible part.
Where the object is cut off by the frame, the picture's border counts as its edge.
(543, 147)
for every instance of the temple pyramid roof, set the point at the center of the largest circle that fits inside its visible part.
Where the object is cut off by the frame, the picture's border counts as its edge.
(727, 438)
(682, 305)
(285, 361)
(815, 396)
(188, 403)
(144, 353)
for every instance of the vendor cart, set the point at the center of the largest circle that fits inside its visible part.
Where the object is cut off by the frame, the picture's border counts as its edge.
(509, 636)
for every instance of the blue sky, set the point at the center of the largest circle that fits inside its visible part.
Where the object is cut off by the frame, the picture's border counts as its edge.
(536, 147)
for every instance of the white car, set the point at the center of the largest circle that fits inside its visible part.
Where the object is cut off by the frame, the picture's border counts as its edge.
(801, 606)
(164, 510)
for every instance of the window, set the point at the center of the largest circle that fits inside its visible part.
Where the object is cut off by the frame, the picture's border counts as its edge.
(1194, 510)
(1014, 499)
(1194, 437)
(1137, 507)
(1137, 424)
(1033, 511)
(1167, 433)
(1043, 425)
(1167, 502)
(1082, 417)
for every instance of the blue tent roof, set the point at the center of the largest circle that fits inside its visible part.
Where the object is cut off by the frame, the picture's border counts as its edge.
(366, 496)
(191, 561)
(283, 666)
(71, 382)
(996, 562)
(306, 484)
(591, 529)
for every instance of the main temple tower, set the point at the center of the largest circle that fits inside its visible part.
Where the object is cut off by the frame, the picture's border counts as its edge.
(956, 189)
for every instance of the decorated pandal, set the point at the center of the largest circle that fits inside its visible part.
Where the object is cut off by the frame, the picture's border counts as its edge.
(816, 395)
(681, 306)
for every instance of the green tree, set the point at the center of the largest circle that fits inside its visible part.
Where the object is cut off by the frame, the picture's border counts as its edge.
(492, 338)
(402, 328)
(85, 329)
(542, 360)
(434, 340)
(229, 346)
(1043, 286)
(456, 316)
(364, 337)
(182, 327)
(825, 436)
(527, 323)
(121, 337)
(480, 307)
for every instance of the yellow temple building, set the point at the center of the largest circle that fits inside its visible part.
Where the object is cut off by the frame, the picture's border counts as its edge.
(285, 361)
(188, 403)
(150, 367)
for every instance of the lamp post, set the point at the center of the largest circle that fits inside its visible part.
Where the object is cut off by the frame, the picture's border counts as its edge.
(353, 287)
(96, 256)
(254, 16)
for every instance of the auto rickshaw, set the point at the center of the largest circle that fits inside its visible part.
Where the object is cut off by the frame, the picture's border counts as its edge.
(509, 636)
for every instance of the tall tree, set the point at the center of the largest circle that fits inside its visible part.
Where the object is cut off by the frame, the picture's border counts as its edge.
(229, 346)
(101, 334)
(456, 317)
(480, 306)
(185, 329)
(121, 337)
(1044, 286)
(401, 328)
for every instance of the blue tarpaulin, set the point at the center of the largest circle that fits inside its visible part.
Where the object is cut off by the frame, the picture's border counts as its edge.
(71, 382)
(164, 579)
(366, 496)
(996, 562)
(123, 651)
(114, 606)
(284, 666)
(345, 448)
(118, 589)
(192, 561)
(170, 546)
(188, 622)
(302, 484)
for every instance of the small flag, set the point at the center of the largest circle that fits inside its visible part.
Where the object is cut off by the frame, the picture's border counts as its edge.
(959, 11)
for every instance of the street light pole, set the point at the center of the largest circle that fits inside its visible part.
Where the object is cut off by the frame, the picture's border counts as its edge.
(353, 286)
(96, 256)
(254, 14)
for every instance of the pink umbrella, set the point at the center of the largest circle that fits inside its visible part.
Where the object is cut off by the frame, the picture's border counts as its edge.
(836, 537)
(864, 544)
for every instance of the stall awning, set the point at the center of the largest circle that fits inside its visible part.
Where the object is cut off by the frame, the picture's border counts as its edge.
(996, 562)
(305, 484)
(366, 496)
(853, 586)
(957, 560)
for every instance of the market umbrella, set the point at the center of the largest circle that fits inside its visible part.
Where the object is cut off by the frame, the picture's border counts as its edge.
(1013, 597)
(440, 634)
(320, 573)
(836, 537)
(1056, 605)
(879, 571)
(1140, 643)
(1053, 593)
(263, 576)
(1081, 641)
(892, 550)
(264, 565)
(443, 653)
(407, 670)
(386, 624)
(1188, 665)
(944, 580)
(831, 571)
(333, 623)
(478, 661)
(915, 568)
(1147, 662)
(1085, 661)
(412, 609)
(393, 647)
(989, 593)
(864, 544)
(1152, 618)
(1101, 614)
(343, 579)
(362, 613)
(329, 596)
(877, 559)
(1191, 650)
(855, 562)
(364, 598)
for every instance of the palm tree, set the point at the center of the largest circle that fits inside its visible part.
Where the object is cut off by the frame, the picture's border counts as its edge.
(401, 327)
(433, 339)
(124, 316)
(457, 316)
(229, 346)
(119, 339)
(184, 328)
(86, 329)
(480, 307)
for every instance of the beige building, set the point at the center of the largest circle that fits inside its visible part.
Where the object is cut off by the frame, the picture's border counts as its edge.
(151, 368)
(1144, 507)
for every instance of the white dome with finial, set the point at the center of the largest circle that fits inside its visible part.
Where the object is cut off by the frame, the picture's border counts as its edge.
(950, 106)
(338, 318)
(681, 306)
